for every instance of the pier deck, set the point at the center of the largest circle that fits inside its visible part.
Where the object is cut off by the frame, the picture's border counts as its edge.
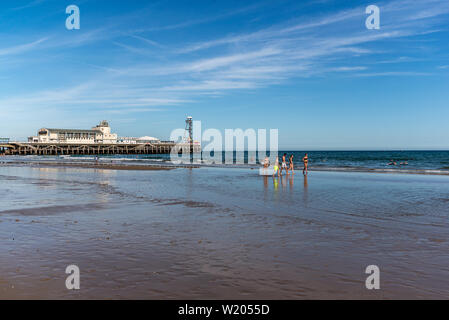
(24, 148)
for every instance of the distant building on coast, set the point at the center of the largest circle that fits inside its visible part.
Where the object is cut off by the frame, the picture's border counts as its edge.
(100, 134)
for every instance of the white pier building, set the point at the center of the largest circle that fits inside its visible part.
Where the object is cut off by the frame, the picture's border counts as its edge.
(100, 134)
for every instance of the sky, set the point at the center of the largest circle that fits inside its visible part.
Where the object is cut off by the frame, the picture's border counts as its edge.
(310, 69)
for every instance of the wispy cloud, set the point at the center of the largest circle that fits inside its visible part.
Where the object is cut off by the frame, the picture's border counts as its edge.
(345, 69)
(210, 85)
(148, 41)
(29, 5)
(96, 93)
(209, 19)
(223, 61)
(15, 50)
(393, 73)
(133, 110)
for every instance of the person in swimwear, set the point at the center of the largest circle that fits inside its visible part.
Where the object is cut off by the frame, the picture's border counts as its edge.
(266, 162)
(266, 165)
(276, 167)
(284, 163)
(305, 160)
(290, 159)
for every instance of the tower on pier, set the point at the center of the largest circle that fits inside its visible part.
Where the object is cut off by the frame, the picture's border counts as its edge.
(189, 131)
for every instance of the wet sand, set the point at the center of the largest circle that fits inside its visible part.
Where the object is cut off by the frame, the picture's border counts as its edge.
(92, 165)
(214, 233)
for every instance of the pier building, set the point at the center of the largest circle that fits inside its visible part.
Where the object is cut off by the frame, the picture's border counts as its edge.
(100, 134)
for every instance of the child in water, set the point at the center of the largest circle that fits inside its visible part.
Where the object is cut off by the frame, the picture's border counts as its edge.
(276, 167)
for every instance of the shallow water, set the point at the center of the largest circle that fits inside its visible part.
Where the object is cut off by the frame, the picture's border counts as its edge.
(409, 161)
(221, 233)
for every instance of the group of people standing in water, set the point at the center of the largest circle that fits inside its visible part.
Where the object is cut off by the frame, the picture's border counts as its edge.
(394, 163)
(286, 166)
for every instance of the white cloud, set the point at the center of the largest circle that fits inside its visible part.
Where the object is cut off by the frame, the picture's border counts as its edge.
(393, 73)
(96, 93)
(15, 50)
(348, 69)
(223, 61)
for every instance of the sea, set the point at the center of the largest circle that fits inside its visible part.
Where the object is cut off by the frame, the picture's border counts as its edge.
(423, 162)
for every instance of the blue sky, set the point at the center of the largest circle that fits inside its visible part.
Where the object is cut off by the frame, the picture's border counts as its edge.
(308, 68)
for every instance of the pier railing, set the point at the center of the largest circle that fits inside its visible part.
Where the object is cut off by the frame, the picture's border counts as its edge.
(17, 148)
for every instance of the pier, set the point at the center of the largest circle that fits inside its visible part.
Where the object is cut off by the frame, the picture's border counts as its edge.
(44, 149)
(98, 140)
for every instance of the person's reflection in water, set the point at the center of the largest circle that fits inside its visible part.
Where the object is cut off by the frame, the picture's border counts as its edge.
(276, 183)
(283, 182)
(290, 186)
(306, 186)
(265, 186)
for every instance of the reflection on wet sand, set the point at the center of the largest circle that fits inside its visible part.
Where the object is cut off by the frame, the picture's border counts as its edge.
(283, 180)
(290, 180)
(306, 186)
(276, 183)
(213, 233)
(265, 182)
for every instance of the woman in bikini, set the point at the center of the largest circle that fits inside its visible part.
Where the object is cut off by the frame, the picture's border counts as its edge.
(290, 159)
(305, 160)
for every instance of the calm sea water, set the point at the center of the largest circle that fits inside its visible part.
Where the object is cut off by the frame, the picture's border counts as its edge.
(421, 160)
(406, 161)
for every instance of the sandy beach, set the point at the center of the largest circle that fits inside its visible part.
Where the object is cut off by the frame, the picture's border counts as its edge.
(213, 233)
(92, 165)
